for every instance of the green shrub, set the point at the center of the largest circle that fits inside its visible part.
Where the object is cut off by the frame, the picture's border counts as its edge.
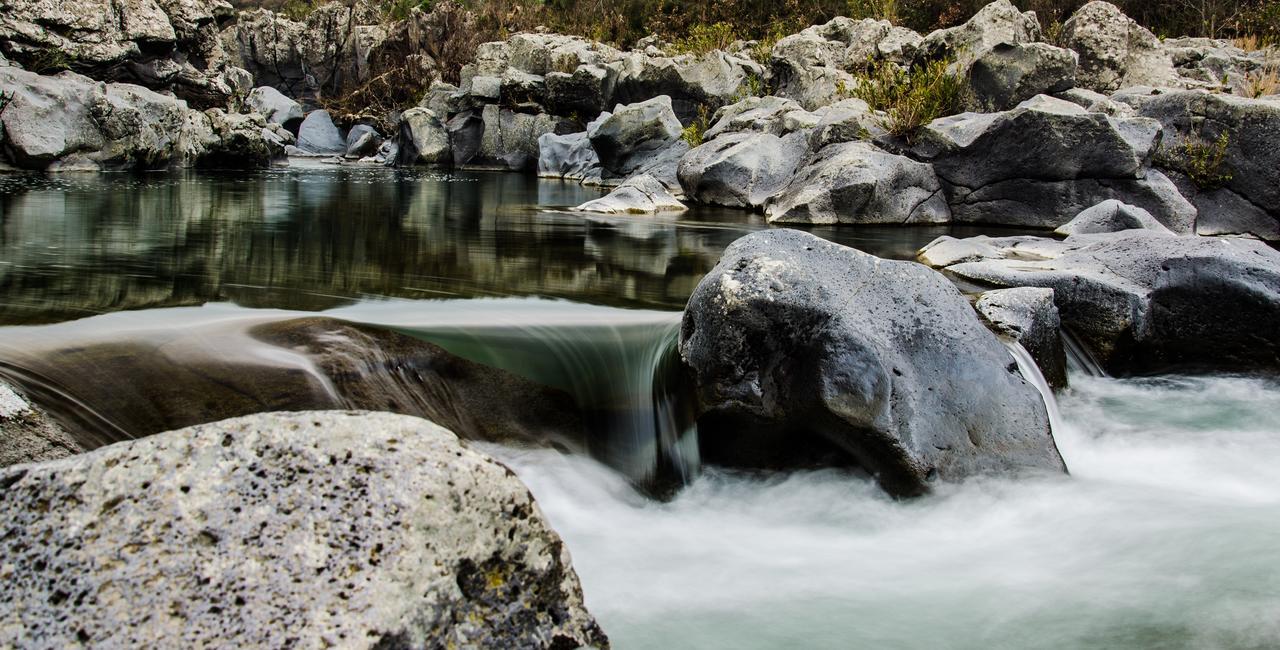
(49, 61)
(706, 38)
(694, 133)
(911, 98)
(877, 9)
(1202, 161)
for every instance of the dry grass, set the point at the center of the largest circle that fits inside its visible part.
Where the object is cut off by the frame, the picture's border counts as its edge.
(1260, 83)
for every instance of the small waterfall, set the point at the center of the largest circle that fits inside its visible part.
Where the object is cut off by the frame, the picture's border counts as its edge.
(1031, 372)
(1079, 358)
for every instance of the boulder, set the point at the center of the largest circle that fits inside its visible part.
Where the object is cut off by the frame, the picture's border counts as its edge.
(690, 82)
(1008, 74)
(276, 107)
(312, 528)
(800, 345)
(1029, 316)
(568, 156)
(423, 138)
(318, 135)
(845, 121)
(641, 194)
(231, 140)
(29, 434)
(362, 140)
(1043, 162)
(510, 139)
(810, 67)
(767, 114)
(855, 182)
(1115, 52)
(631, 134)
(1145, 301)
(1111, 216)
(741, 169)
(997, 23)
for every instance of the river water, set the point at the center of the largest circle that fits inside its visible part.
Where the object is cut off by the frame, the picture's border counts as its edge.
(1164, 535)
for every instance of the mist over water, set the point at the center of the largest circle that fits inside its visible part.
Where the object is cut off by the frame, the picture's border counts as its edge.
(1164, 536)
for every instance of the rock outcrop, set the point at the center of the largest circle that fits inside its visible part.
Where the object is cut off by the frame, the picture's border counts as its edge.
(1115, 52)
(809, 67)
(800, 345)
(1029, 316)
(358, 529)
(1008, 74)
(1144, 301)
(423, 138)
(28, 434)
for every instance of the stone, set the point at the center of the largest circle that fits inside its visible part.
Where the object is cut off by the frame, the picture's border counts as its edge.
(362, 140)
(847, 120)
(810, 67)
(997, 23)
(1115, 51)
(741, 169)
(319, 135)
(633, 132)
(29, 434)
(231, 140)
(1110, 216)
(365, 529)
(1149, 302)
(510, 139)
(855, 182)
(569, 156)
(1029, 316)
(276, 107)
(423, 138)
(797, 345)
(760, 114)
(1008, 74)
(690, 82)
(641, 194)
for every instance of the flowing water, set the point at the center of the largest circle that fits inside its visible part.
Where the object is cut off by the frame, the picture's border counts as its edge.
(1163, 536)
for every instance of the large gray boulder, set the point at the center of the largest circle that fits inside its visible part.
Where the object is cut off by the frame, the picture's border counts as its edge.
(510, 139)
(362, 140)
(1115, 51)
(800, 347)
(741, 169)
(810, 67)
(631, 135)
(1008, 74)
(568, 156)
(769, 114)
(1144, 301)
(855, 182)
(1110, 216)
(276, 107)
(28, 434)
(314, 528)
(320, 136)
(691, 82)
(1029, 316)
(1043, 162)
(997, 23)
(642, 194)
(423, 138)
(847, 120)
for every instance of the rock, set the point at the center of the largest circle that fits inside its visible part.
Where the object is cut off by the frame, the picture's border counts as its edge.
(796, 344)
(584, 91)
(741, 169)
(319, 135)
(423, 138)
(1216, 64)
(1251, 158)
(1115, 52)
(275, 107)
(845, 121)
(568, 156)
(1045, 161)
(1146, 301)
(690, 82)
(29, 434)
(510, 139)
(367, 529)
(1110, 216)
(466, 133)
(1095, 102)
(997, 23)
(759, 114)
(1029, 316)
(858, 183)
(1223, 212)
(641, 194)
(810, 66)
(1009, 74)
(362, 140)
(632, 133)
(231, 140)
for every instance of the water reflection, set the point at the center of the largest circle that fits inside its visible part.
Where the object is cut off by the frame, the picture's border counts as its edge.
(317, 237)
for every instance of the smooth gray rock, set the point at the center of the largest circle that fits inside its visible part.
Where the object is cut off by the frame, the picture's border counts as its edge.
(1111, 216)
(800, 345)
(847, 120)
(423, 138)
(632, 133)
(741, 169)
(1009, 74)
(362, 140)
(809, 67)
(28, 434)
(1145, 301)
(466, 134)
(276, 107)
(312, 528)
(997, 23)
(510, 139)
(569, 156)
(712, 79)
(641, 194)
(320, 136)
(1115, 51)
(855, 182)
(1223, 212)
(759, 114)
(1029, 316)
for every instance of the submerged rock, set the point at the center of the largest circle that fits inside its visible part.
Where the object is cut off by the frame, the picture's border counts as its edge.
(641, 194)
(1144, 301)
(360, 529)
(1029, 316)
(28, 434)
(797, 344)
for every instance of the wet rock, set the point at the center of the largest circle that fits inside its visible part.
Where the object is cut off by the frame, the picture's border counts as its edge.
(263, 531)
(1029, 316)
(423, 138)
(641, 194)
(232, 140)
(1115, 52)
(631, 134)
(320, 136)
(276, 107)
(28, 434)
(797, 343)
(362, 140)
(1009, 74)
(857, 183)
(1111, 216)
(1146, 301)
(741, 169)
